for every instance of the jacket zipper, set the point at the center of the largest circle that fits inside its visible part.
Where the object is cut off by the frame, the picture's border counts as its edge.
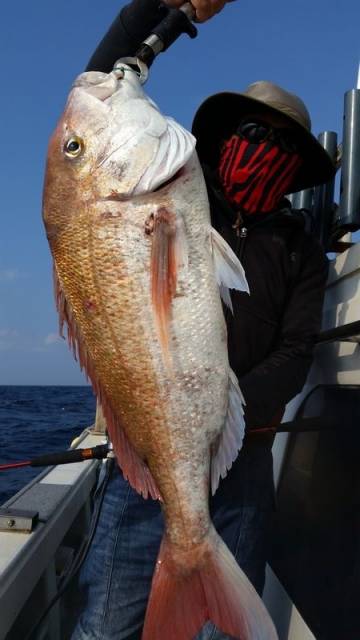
(241, 233)
(242, 239)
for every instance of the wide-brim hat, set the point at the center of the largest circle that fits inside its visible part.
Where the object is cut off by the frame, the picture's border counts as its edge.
(219, 115)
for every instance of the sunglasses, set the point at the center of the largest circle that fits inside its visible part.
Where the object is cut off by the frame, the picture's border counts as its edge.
(257, 132)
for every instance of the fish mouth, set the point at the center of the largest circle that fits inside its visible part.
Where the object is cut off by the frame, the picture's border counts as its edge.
(104, 86)
(98, 84)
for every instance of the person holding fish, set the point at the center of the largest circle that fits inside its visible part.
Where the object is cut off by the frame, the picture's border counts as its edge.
(138, 260)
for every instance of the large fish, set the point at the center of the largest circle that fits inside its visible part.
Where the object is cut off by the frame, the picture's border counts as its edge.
(127, 218)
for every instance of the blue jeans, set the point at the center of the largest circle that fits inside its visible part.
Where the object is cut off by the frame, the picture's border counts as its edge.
(117, 574)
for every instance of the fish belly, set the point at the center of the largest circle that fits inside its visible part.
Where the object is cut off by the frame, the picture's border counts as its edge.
(103, 264)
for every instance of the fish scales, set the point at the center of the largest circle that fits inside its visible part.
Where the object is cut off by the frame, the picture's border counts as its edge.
(127, 218)
(128, 357)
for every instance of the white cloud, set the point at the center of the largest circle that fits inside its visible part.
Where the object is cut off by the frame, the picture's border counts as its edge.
(8, 338)
(8, 275)
(52, 338)
(8, 333)
(11, 339)
(5, 346)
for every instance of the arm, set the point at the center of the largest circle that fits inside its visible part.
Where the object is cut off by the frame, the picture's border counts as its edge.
(282, 375)
(133, 24)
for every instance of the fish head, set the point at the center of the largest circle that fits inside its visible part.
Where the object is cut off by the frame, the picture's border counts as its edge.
(110, 143)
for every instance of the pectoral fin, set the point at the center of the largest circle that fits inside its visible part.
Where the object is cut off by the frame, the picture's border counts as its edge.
(168, 253)
(228, 269)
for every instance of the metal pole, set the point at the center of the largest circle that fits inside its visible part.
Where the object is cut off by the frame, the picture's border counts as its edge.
(303, 199)
(348, 216)
(324, 193)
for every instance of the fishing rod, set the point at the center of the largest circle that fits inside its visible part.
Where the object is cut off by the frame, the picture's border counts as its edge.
(300, 425)
(176, 22)
(164, 34)
(63, 457)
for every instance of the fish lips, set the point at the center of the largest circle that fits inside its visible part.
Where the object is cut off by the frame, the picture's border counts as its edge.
(98, 84)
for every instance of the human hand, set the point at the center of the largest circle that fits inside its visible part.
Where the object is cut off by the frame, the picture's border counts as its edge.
(204, 9)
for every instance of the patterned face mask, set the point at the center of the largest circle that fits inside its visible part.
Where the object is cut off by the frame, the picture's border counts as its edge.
(255, 176)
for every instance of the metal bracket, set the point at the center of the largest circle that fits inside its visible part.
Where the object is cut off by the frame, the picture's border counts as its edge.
(18, 520)
(349, 332)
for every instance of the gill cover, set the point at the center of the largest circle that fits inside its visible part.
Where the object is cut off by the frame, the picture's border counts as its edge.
(143, 148)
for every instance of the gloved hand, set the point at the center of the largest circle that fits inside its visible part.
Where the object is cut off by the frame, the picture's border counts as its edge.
(204, 9)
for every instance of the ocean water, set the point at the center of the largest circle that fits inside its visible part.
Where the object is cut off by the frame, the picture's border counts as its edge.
(35, 421)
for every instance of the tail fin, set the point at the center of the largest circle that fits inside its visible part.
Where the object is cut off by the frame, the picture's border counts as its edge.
(212, 588)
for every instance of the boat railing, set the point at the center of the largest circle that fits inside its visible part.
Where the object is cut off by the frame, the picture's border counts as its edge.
(33, 563)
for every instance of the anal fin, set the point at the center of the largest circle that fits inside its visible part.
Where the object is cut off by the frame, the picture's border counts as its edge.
(232, 435)
(134, 469)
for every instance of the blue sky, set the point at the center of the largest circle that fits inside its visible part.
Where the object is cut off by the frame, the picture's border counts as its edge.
(311, 48)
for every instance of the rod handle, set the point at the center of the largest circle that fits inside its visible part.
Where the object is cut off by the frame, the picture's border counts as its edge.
(72, 455)
(176, 22)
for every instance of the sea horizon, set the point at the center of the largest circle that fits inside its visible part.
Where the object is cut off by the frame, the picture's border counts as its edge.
(11, 384)
(39, 419)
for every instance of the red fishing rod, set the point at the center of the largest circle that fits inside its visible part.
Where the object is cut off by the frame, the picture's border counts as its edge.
(63, 457)
(299, 425)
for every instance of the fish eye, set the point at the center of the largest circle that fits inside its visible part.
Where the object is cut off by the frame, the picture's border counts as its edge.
(74, 147)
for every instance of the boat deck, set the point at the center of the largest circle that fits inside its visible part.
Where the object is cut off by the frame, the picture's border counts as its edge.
(31, 564)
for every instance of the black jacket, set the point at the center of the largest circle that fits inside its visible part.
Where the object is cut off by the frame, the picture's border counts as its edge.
(272, 331)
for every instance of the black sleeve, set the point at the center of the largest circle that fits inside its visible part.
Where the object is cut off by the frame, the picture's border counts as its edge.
(282, 375)
(133, 24)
